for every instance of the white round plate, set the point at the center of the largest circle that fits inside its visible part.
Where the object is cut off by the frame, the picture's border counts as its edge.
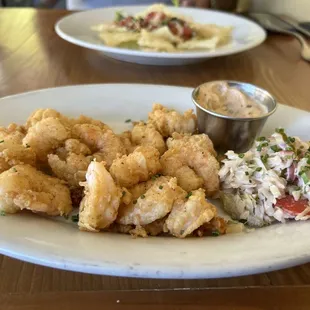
(61, 245)
(76, 28)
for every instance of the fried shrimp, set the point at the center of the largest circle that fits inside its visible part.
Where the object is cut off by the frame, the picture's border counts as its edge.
(186, 140)
(24, 187)
(155, 204)
(174, 164)
(72, 169)
(103, 141)
(189, 214)
(46, 136)
(12, 151)
(147, 135)
(169, 121)
(99, 207)
(193, 167)
(127, 142)
(40, 114)
(136, 167)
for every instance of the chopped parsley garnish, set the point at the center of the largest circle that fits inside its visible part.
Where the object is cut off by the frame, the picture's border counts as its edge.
(280, 130)
(264, 158)
(142, 196)
(123, 193)
(155, 176)
(291, 139)
(1, 141)
(14, 169)
(2, 213)
(128, 120)
(161, 187)
(215, 233)
(275, 148)
(119, 16)
(189, 194)
(261, 139)
(308, 161)
(241, 155)
(260, 147)
(259, 169)
(246, 173)
(299, 152)
(75, 218)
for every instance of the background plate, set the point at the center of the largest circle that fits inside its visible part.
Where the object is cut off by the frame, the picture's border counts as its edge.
(75, 28)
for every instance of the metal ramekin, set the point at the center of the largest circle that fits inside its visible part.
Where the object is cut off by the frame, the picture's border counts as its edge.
(231, 133)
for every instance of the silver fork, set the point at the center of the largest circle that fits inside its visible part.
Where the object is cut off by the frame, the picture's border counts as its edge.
(273, 23)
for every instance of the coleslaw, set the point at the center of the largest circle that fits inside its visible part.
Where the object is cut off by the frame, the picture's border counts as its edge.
(270, 182)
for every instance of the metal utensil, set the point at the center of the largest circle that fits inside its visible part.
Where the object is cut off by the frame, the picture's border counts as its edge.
(233, 133)
(294, 23)
(272, 23)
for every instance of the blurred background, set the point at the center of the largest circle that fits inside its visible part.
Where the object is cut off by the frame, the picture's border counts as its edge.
(298, 9)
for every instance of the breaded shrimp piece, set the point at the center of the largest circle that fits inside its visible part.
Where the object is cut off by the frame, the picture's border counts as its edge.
(127, 142)
(141, 188)
(155, 204)
(186, 140)
(174, 164)
(203, 170)
(206, 166)
(99, 207)
(189, 214)
(24, 187)
(46, 136)
(40, 114)
(106, 142)
(169, 121)
(136, 167)
(72, 146)
(82, 119)
(72, 169)
(12, 151)
(143, 134)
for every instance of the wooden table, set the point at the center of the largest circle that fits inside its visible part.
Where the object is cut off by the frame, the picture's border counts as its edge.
(33, 57)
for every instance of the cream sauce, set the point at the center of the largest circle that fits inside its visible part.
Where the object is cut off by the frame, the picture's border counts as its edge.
(223, 99)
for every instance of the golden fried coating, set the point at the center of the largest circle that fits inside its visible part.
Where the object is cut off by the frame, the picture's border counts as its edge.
(12, 151)
(189, 214)
(99, 207)
(174, 164)
(40, 114)
(155, 204)
(126, 140)
(72, 169)
(82, 119)
(104, 141)
(46, 136)
(203, 166)
(136, 167)
(169, 121)
(24, 187)
(186, 140)
(147, 135)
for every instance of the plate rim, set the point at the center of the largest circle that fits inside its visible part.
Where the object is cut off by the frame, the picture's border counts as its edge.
(128, 52)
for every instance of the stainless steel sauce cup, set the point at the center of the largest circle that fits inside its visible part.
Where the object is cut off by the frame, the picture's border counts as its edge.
(234, 133)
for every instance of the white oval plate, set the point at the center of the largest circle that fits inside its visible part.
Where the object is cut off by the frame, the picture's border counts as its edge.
(76, 28)
(61, 245)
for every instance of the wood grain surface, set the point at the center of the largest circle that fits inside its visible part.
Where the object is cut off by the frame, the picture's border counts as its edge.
(33, 57)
